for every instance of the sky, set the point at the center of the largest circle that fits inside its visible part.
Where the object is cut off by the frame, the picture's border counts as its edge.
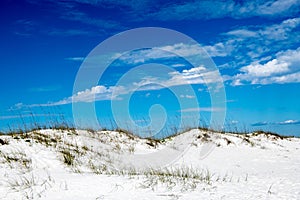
(232, 65)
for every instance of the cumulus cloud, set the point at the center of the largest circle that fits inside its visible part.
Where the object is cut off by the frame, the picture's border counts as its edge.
(285, 68)
(271, 68)
(95, 93)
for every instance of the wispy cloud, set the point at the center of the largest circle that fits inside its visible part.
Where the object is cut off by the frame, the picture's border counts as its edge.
(260, 43)
(187, 96)
(69, 32)
(17, 106)
(191, 10)
(28, 28)
(173, 51)
(203, 109)
(274, 32)
(196, 75)
(286, 122)
(71, 11)
(169, 54)
(233, 122)
(76, 59)
(260, 124)
(25, 27)
(26, 116)
(45, 89)
(79, 16)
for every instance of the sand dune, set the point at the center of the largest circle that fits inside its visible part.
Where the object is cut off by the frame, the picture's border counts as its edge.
(86, 164)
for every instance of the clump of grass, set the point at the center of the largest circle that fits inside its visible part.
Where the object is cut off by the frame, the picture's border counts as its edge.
(68, 157)
(4, 141)
(270, 134)
(184, 178)
(98, 168)
(29, 185)
(247, 140)
(85, 148)
(16, 157)
(129, 134)
(22, 183)
(90, 130)
(131, 149)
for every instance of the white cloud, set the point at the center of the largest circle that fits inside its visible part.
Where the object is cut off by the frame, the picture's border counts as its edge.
(280, 31)
(271, 68)
(286, 122)
(285, 68)
(275, 32)
(26, 115)
(76, 58)
(84, 18)
(178, 65)
(290, 78)
(96, 93)
(99, 92)
(187, 96)
(218, 50)
(193, 10)
(215, 50)
(234, 122)
(167, 52)
(197, 75)
(172, 51)
(260, 124)
(276, 7)
(290, 121)
(183, 10)
(17, 106)
(244, 33)
(195, 70)
(203, 109)
(205, 9)
(252, 43)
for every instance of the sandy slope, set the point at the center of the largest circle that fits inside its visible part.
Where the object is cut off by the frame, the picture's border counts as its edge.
(257, 166)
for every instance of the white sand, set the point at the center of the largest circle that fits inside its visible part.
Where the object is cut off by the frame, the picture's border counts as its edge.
(238, 167)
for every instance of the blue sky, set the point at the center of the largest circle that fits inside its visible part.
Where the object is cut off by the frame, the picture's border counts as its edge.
(255, 45)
